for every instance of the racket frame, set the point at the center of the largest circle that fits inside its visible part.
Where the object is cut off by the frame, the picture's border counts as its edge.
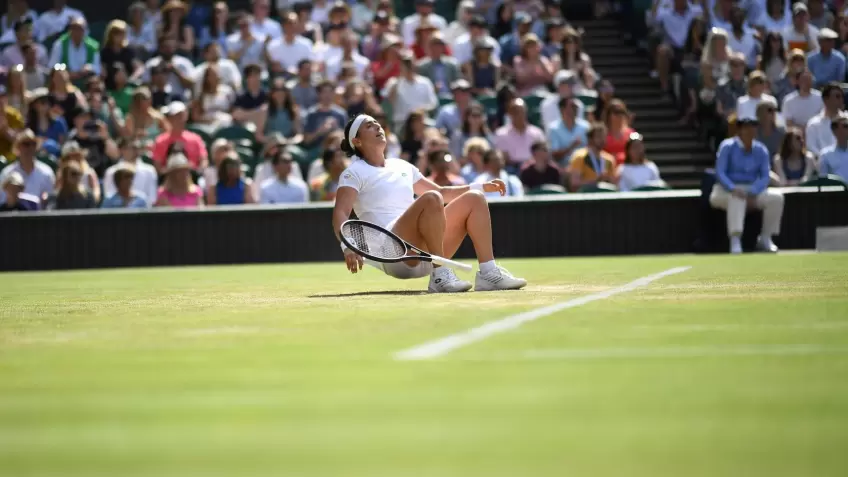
(422, 255)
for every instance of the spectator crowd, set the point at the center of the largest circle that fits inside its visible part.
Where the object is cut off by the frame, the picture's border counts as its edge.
(779, 64)
(191, 104)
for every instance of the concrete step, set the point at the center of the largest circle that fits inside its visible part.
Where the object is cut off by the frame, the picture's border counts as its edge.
(703, 159)
(595, 24)
(688, 183)
(618, 61)
(680, 146)
(671, 134)
(635, 81)
(627, 92)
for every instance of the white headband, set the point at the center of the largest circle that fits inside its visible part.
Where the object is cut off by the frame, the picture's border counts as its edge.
(354, 128)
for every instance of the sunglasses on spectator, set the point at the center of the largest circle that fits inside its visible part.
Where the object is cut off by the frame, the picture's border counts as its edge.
(75, 173)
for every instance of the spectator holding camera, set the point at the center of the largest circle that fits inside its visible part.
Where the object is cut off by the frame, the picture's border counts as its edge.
(93, 138)
(13, 54)
(178, 70)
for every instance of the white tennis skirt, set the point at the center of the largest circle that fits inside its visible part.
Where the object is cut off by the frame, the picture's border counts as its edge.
(400, 269)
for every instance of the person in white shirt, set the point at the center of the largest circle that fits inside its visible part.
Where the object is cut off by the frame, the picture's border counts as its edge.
(286, 52)
(350, 41)
(674, 25)
(800, 106)
(636, 171)
(382, 191)
(145, 181)
(742, 39)
(494, 164)
(746, 106)
(423, 9)
(459, 26)
(230, 74)
(409, 92)
(262, 26)
(463, 47)
(78, 52)
(565, 82)
(819, 134)
(800, 34)
(18, 10)
(179, 69)
(54, 21)
(284, 187)
(243, 46)
(775, 17)
(22, 35)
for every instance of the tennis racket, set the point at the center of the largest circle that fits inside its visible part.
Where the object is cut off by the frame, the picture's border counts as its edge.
(380, 245)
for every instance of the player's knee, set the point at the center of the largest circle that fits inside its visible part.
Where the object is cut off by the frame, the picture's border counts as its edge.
(476, 195)
(433, 199)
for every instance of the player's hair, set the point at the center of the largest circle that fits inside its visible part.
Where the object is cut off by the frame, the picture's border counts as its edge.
(346, 148)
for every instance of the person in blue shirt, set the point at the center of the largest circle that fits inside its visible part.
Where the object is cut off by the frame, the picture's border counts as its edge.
(834, 159)
(125, 197)
(742, 179)
(827, 64)
(511, 42)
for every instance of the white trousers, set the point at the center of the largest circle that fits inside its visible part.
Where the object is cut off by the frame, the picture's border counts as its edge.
(770, 201)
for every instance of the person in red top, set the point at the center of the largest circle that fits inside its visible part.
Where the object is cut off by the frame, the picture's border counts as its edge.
(192, 145)
(617, 120)
(422, 41)
(388, 66)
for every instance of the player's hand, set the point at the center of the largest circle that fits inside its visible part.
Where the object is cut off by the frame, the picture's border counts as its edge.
(353, 261)
(739, 193)
(496, 185)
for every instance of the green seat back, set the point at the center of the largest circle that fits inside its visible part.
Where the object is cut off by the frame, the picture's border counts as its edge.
(207, 138)
(599, 187)
(588, 100)
(547, 189)
(50, 160)
(489, 103)
(236, 133)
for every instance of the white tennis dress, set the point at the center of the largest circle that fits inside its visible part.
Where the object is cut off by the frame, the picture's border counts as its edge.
(385, 193)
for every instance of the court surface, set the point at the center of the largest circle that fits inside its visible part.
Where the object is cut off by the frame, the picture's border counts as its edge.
(737, 366)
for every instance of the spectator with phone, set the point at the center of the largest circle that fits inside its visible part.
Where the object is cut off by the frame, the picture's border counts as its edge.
(324, 117)
(178, 70)
(93, 138)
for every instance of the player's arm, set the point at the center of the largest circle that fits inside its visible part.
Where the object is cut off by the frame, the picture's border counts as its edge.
(345, 197)
(450, 193)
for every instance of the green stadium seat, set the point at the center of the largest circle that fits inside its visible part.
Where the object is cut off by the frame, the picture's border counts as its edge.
(207, 138)
(533, 101)
(147, 159)
(97, 30)
(652, 187)
(599, 187)
(489, 103)
(235, 133)
(588, 100)
(50, 160)
(547, 189)
(828, 181)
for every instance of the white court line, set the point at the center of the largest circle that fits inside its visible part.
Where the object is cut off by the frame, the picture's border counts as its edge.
(445, 345)
(684, 352)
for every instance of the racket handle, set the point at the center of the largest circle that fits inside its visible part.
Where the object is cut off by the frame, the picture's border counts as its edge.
(450, 263)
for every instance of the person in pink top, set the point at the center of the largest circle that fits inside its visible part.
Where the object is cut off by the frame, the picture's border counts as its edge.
(192, 145)
(178, 190)
(617, 119)
(517, 137)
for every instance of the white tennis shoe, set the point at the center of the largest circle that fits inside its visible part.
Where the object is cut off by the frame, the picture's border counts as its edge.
(444, 280)
(498, 279)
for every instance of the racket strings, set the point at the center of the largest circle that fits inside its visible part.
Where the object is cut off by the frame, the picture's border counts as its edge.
(373, 241)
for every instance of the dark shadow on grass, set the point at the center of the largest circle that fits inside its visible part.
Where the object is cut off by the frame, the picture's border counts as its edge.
(373, 293)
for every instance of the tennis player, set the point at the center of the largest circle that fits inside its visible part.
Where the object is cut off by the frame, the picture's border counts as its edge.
(381, 191)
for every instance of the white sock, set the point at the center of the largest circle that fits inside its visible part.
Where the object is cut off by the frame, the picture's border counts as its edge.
(489, 266)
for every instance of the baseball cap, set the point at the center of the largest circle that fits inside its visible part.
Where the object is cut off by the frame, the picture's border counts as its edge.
(176, 107)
